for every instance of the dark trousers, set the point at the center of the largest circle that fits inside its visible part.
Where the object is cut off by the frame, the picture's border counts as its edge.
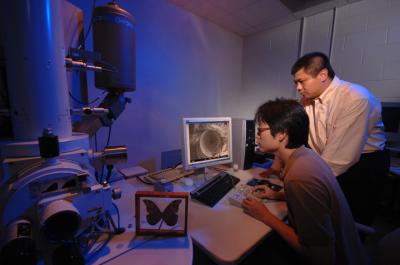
(363, 183)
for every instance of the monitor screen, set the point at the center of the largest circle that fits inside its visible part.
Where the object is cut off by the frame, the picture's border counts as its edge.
(391, 116)
(206, 141)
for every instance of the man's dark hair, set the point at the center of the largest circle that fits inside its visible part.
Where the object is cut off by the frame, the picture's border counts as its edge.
(286, 116)
(313, 63)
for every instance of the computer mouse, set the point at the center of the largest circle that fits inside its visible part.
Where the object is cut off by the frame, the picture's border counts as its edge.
(187, 181)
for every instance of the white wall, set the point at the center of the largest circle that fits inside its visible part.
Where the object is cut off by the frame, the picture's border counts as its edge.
(317, 31)
(267, 58)
(185, 67)
(365, 49)
(189, 67)
(366, 46)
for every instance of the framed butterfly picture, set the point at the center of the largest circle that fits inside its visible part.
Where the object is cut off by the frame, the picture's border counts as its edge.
(161, 213)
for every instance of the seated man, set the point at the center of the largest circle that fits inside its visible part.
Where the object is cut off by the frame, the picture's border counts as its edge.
(321, 228)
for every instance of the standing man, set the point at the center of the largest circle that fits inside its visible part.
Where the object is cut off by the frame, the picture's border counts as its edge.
(346, 130)
(321, 227)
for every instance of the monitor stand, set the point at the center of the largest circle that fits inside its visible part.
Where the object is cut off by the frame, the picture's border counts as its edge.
(204, 174)
(200, 171)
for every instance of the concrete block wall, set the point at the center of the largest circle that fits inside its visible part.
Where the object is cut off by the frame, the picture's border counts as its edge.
(267, 58)
(366, 46)
(317, 33)
(363, 39)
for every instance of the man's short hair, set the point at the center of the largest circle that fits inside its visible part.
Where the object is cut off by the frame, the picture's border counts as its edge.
(285, 116)
(313, 63)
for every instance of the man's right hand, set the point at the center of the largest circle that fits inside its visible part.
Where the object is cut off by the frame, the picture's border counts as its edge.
(263, 192)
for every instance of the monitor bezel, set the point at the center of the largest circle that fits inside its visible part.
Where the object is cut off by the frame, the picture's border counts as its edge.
(186, 143)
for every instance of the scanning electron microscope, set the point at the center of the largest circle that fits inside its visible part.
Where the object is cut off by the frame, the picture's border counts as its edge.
(52, 204)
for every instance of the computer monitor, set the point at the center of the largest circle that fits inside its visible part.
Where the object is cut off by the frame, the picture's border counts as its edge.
(391, 120)
(391, 116)
(207, 141)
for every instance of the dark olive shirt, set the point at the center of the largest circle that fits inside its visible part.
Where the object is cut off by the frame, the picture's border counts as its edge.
(319, 213)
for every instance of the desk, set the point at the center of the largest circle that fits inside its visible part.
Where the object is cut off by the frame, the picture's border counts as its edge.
(224, 232)
(128, 248)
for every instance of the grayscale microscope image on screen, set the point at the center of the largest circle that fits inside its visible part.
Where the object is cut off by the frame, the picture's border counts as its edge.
(208, 140)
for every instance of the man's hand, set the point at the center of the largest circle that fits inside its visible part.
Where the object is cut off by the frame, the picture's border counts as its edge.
(263, 192)
(256, 209)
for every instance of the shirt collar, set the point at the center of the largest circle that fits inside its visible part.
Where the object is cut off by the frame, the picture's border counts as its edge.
(326, 95)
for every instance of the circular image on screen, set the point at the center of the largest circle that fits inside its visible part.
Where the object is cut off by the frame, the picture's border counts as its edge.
(211, 143)
(208, 141)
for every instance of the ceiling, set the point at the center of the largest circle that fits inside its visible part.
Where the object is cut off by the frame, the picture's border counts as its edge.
(247, 17)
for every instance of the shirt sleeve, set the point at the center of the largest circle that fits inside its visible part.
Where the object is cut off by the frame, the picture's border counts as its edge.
(347, 138)
(312, 221)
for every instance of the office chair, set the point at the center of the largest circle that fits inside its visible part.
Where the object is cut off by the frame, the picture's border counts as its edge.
(389, 249)
(365, 229)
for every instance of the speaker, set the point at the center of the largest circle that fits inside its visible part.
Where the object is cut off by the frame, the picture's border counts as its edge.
(243, 142)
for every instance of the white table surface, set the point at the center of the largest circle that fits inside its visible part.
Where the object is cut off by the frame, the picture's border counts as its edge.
(224, 232)
(128, 248)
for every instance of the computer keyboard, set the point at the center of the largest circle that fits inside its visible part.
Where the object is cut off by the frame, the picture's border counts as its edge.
(212, 191)
(168, 175)
(240, 193)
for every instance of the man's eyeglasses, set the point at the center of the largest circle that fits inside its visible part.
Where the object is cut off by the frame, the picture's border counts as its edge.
(261, 130)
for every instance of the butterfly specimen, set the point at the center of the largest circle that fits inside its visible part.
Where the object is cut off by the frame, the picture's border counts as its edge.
(169, 215)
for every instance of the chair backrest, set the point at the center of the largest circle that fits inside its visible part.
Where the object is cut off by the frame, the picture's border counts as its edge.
(364, 229)
(389, 249)
(171, 158)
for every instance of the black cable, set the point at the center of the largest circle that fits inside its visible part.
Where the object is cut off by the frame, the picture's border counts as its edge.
(98, 249)
(126, 251)
(134, 247)
(108, 142)
(145, 182)
(176, 165)
(95, 142)
(109, 172)
(118, 216)
(109, 135)
(90, 25)
(102, 173)
(96, 173)
(80, 102)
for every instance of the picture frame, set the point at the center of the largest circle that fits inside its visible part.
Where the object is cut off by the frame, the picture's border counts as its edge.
(161, 213)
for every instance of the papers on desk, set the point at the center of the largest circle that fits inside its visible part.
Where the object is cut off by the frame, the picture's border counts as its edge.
(132, 172)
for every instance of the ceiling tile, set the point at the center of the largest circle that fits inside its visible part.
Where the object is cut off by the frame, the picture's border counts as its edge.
(262, 11)
(233, 5)
(232, 23)
(275, 23)
(246, 17)
(202, 8)
(297, 5)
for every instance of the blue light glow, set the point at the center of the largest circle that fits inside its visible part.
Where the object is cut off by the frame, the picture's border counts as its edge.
(48, 17)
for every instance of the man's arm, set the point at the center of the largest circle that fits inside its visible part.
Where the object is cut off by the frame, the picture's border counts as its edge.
(275, 169)
(258, 210)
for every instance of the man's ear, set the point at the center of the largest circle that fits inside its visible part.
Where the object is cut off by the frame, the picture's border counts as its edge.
(281, 136)
(323, 75)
